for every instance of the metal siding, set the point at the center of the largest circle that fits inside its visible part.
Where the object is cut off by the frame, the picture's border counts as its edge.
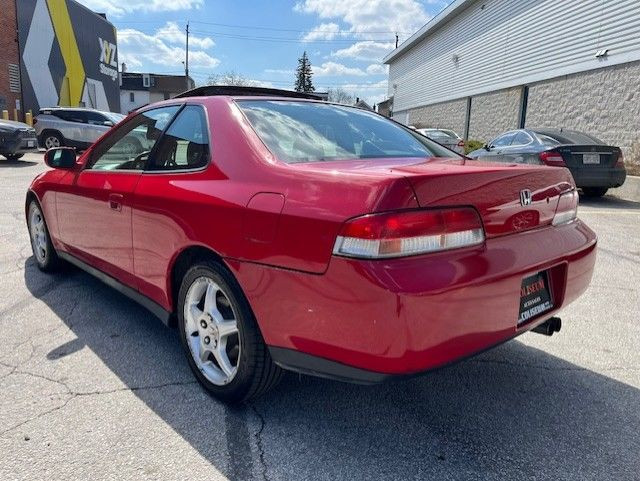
(511, 43)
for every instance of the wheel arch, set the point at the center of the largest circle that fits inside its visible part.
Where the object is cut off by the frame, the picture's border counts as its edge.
(48, 131)
(179, 266)
(31, 196)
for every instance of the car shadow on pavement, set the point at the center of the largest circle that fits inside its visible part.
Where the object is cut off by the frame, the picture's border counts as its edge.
(16, 163)
(513, 413)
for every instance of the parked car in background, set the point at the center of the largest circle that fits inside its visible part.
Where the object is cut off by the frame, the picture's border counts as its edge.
(276, 231)
(72, 127)
(16, 139)
(594, 165)
(445, 137)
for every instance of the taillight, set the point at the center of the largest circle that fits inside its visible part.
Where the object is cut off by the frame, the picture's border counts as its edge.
(620, 161)
(409, 233)
(554, 159)
(461, 143)
(567, 209)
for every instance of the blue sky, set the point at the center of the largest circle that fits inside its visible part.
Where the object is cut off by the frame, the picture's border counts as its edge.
(262, 40)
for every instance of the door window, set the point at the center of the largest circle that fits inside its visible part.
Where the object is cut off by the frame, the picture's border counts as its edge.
(185, 144)
(503, 140)
(76, 116)
(129, 145)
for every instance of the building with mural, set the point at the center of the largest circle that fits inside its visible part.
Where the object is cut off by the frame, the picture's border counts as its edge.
(62, 53)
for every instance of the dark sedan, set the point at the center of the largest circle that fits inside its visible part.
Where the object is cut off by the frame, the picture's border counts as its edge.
(595, 166)
(16, 139)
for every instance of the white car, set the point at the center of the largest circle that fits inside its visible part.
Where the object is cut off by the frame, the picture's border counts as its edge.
(446, 137)
(72, 127)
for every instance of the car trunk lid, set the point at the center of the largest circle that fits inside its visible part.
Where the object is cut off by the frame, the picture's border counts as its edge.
(500, 192)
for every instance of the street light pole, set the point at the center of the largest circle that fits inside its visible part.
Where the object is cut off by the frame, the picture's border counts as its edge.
(186, 61)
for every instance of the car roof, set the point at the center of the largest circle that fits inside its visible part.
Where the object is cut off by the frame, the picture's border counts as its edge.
(242, 91)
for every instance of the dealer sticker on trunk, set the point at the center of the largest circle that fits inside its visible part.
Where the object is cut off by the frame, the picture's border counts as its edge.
(535, 297)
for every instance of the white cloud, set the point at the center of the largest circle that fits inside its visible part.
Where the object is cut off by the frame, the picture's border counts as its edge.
(118, 8)
(366, 50)
(324, 31)
(370, 18)
(173, 33)
(335, 69)
(139, 48)
(377, 69)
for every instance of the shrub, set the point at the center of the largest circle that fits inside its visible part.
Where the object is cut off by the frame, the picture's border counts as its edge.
(471, 145)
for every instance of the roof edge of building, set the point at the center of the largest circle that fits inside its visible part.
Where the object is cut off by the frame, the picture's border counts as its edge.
(453, 9)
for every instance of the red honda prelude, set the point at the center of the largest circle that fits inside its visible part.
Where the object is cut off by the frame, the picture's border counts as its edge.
(277, 231)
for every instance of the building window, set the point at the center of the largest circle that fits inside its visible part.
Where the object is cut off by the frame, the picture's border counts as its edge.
(132, 97)
(14, 78)
(145, 80)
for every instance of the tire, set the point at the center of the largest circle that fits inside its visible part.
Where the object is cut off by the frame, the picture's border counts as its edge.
(45, 255)
(51, 140)
(208, 301)
(594, 191)
(14, 156)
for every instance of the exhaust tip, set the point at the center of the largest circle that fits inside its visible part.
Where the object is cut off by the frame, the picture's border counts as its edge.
(548, 327)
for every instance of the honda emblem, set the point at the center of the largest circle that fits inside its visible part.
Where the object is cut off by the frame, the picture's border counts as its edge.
(525, 197)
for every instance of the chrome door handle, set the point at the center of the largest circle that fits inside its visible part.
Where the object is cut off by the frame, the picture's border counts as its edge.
(115, 202)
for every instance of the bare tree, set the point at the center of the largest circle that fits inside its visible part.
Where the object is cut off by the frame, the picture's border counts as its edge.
(231, 78)
(340, 96)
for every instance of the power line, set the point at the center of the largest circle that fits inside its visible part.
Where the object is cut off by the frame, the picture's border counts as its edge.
(286, 39)
(274, 29)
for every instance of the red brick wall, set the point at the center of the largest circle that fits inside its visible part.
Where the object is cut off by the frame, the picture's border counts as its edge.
(9, 54)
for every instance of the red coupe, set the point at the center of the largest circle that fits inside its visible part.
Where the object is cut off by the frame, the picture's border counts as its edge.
(282, 232)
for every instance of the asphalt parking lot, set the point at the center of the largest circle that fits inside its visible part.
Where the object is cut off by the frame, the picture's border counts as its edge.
(92, 386)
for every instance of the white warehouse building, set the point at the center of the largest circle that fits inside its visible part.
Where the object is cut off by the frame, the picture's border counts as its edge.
(482, 67)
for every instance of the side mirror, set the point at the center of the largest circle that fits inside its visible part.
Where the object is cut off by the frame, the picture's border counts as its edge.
(486, 147)
(60, 158)
(107, 123)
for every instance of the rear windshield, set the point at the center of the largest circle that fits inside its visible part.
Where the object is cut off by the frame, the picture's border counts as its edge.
(570, 137)
(315, 131)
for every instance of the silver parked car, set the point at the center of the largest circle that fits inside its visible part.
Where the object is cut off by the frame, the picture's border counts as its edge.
(445, 137)
(72, 127)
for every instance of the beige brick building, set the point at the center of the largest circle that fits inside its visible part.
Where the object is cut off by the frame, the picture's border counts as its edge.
(482, 67)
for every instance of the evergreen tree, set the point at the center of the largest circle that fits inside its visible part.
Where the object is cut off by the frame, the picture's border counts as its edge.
(304, 82)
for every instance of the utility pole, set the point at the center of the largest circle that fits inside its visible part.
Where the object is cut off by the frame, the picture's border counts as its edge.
(186, 61)
(396, 38)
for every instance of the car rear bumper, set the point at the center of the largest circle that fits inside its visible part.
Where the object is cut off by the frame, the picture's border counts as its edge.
(611, 177)
(368, 320)
(18, 145)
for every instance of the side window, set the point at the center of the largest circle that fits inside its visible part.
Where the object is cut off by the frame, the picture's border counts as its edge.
(503, 140)
(128, 147)
(546, 140)
(521, 138)
(185, 144)
(76, 116)
(94, 118)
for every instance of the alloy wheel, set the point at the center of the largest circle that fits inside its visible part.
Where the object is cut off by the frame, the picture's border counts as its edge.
(38, 234)
(211, 330)
(52, 142)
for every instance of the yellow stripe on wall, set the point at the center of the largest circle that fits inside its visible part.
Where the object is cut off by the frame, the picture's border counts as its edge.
(75, 77)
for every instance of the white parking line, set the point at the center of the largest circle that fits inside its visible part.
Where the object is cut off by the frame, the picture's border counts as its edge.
(614, 212)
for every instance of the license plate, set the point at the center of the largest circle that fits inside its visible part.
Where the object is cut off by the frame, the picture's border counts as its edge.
(590, 158)
(535, 297)
(31, 143)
